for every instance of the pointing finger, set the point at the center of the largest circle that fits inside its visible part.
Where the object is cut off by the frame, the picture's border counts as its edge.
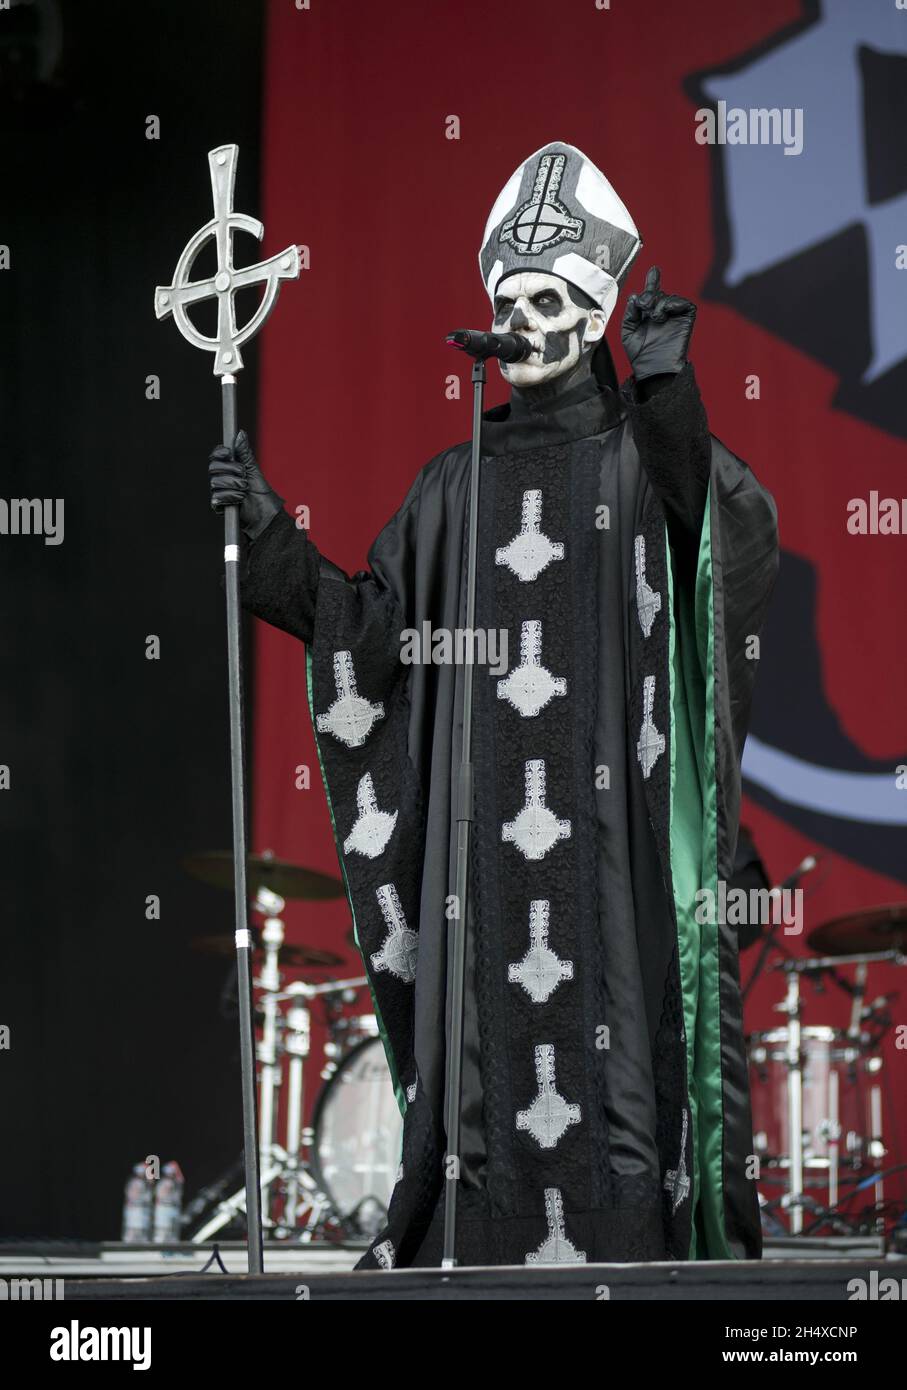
(653, 280)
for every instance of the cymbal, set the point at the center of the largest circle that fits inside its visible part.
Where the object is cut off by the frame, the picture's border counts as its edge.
(264, 871)
(874, 929)
(291, 957)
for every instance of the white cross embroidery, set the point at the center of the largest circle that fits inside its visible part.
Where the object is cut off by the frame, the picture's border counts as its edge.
(385, 1254)
(555, 1249)
(400, 947)
(676, 1180)
(535, 829)
(530, 686)
(648, 600)
(651, 743)
(549, 1116)
(350, 717)
(372, 828)
(531, 551)
(540, 971)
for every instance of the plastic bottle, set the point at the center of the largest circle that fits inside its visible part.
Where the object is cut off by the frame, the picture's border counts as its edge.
(138, 1206)
(168, 1205)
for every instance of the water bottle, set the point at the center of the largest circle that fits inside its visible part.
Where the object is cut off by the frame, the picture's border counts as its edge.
(168, 1205)
(138, 1205)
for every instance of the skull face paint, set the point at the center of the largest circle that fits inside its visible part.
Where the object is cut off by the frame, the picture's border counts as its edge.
(563, 333)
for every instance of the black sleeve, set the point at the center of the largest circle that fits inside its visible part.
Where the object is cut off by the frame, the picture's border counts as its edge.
(279, 577)
(282, 571)
(671, 432)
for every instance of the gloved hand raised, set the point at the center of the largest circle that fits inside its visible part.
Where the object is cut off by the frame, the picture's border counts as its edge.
(235, 480)
(656, 329)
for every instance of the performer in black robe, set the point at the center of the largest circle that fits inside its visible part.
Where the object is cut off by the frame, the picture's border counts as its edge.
(629, 557)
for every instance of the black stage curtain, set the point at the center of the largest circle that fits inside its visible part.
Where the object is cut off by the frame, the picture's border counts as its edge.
(118, 764)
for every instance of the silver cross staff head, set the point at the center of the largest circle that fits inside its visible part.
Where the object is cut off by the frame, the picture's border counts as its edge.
(176, 298)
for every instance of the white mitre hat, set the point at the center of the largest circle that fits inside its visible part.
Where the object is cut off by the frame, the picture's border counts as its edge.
(559, 214)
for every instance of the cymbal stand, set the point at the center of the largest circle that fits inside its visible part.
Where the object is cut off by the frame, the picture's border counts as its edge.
(297, 1045)
(877, 1150)
(302, 1192)
(794, 1060)
(285, 1169)
(269, 904)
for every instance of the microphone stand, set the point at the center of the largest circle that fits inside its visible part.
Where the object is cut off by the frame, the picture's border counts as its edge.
(456, 979)
(771, 940)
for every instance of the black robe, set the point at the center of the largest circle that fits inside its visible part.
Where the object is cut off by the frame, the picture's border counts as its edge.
(605, 1104)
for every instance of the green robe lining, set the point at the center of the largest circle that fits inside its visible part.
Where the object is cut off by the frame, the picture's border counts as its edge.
(694, 852)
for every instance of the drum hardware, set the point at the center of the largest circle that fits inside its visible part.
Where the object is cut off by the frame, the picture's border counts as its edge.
(845, 1225)
(288, 1186)
(293, 956)
(268, 904)
(357, 1138)
(822, 1114)
(295, 1171)
(344, 1034)
(304, 989)
(332, 1179)
(296, 1046)
(280, 1166)
(794, 1102)
(877, 1150)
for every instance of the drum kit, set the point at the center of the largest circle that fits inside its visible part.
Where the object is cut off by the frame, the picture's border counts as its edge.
(817, 1091)
(330, 1179)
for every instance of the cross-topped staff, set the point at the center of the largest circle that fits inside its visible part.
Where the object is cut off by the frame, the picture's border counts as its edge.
(175, 299)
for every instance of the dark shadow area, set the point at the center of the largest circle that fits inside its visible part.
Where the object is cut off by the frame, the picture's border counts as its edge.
(118, 764)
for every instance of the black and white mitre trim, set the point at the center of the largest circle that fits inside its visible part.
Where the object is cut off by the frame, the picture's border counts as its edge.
(559, 214)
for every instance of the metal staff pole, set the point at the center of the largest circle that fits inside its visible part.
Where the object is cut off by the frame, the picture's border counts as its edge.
(254, 1237)
(456, 980)
(175, 299)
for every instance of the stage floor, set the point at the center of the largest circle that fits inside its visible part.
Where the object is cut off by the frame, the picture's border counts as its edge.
(116, 1273)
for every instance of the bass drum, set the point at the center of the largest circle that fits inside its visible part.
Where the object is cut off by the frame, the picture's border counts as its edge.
(358, 1138)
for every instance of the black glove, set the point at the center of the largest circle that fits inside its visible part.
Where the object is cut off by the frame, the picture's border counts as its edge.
(236, 481)
(656, 330)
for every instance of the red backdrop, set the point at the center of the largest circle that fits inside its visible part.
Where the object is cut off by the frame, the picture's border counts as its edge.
(359, 168)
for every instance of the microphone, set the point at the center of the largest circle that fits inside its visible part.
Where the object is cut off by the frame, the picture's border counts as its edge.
(507, 347)
(802, 869)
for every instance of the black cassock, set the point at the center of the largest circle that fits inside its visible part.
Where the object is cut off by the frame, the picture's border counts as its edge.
(629, 556)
